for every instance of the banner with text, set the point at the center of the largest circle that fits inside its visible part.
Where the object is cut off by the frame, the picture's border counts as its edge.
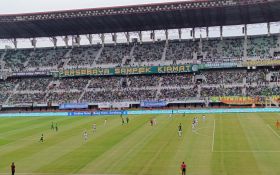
(129, 70)
(73, 106)
(149, 104)
(235, 100)
(261, 63)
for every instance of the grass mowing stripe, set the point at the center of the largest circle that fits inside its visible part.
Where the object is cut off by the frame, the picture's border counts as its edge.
(24, 136)
(66, 145)
(115, 159)
(145, 156)
(121, 166)
(213, 135)
(33, 147)
(244, 144)
(9, 126)
(26, 130)
(80, 157)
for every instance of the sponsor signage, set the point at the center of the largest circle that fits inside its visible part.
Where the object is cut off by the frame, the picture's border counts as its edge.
(73, 106)
(149, 104)
(129, 70)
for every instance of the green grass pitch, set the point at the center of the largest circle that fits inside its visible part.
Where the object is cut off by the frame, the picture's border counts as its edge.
(226, 144)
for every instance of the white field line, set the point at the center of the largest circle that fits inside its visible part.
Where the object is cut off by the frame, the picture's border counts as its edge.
(213, 136)
(273, 131)
(248, 151)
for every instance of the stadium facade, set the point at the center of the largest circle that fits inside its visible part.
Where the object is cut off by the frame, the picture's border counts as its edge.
(201, 72)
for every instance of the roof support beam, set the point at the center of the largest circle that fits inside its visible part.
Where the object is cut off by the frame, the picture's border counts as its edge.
(207, 33)
(102, 37)
(153, 36)
(180, 34)
(54, 41)
(89, 37)
(33, 42)
(66, 41)
(114, 38)
(140, 37)
(76, 40)
(221, 32)
(268, 29)
(127, 35)
(166, 36)
(15, 42)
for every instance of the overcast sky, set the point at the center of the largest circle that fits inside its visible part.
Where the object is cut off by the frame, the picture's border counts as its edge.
(26, 6)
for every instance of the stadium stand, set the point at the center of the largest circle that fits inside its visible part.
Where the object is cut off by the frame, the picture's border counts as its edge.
(217, 66)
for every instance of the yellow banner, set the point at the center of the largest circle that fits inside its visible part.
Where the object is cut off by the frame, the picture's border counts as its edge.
(261, 63)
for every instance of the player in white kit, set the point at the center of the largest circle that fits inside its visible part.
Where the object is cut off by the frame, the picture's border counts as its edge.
(94, 127)
(85, 136)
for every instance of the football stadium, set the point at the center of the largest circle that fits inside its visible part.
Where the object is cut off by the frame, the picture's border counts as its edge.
(187, 87)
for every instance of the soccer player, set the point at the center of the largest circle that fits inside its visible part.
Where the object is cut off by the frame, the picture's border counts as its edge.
(94, 127)
(183, 168)
(56, 127)
(170, 115)
(42, 138)
(196, 121)
(152, 122)
(193, 125)
(155, 121)
(180, 130)
(85, 136)
(122, 121)
(204, 118)
(127, 120)
(52, 126)
(13, 168)
(105, 121)
(277, 124)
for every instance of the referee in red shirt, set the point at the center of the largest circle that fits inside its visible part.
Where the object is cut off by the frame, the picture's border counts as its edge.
(183, 168)
(13, 168)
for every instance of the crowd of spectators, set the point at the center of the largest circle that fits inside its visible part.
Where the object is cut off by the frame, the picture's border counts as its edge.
(8, 85)
(114, 54)
(181, 50)
(220, 91)
(143, 81)
(228, 49)
(33, 84)
(27, 98)
(178, 94)
(206, 51)
(149, 52)
(105, 83)
(177, 80)
(81, 56)
(118, 95)
(224, 77)
(72, 84)
(63, 97)
(3, 97)
(15, 59)
(260, 46)
(48, 57)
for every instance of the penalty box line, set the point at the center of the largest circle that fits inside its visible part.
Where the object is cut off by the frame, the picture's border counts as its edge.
(274, 132)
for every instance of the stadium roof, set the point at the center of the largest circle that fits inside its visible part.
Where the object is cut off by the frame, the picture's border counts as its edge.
(189, 14)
